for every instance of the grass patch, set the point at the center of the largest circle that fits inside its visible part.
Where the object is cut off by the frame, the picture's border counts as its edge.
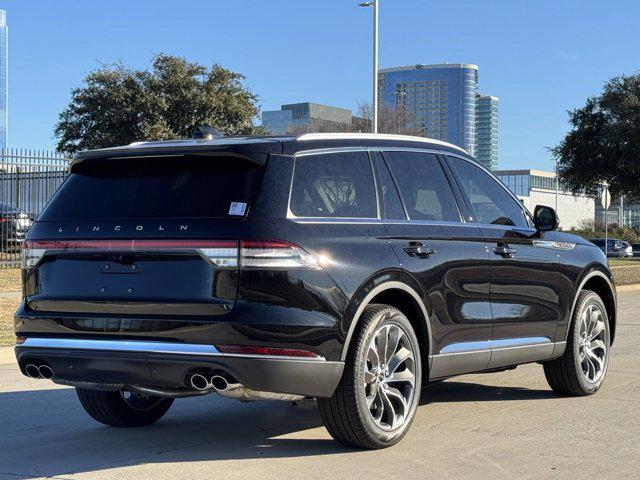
(8, 306)
(626, 274)
(10, 280)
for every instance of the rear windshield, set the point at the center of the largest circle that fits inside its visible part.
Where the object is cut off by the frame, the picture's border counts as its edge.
(156, 188)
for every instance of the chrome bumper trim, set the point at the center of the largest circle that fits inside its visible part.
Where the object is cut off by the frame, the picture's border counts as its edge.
(140, 346)
(468, 347)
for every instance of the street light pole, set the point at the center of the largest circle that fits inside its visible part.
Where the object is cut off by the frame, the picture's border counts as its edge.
(374, 4)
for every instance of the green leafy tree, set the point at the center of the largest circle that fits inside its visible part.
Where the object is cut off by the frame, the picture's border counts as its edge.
(604, 142)
(117, 105)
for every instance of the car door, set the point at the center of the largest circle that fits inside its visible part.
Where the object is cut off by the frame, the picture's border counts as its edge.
(529, 292)
(442, 256)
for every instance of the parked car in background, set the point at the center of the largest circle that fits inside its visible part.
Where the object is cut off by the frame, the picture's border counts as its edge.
(627, 249)
(351, 268)
(615, 248)
(14, 225)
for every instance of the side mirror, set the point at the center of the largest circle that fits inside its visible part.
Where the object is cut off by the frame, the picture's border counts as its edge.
(545, 218)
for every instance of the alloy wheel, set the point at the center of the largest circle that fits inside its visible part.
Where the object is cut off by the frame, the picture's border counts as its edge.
(389, 377)
(592, 346)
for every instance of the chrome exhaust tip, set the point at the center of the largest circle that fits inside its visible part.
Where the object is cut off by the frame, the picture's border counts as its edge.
(219, 383)
(199, 382)
(32, 371)
(45, 371)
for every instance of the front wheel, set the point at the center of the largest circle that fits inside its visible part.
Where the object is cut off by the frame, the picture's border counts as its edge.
(376, 400)
(583, 366)
(123, 408)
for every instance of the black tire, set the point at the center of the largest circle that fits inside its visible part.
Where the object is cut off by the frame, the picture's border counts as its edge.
(113, 409)
(346, 414)
(565, 374)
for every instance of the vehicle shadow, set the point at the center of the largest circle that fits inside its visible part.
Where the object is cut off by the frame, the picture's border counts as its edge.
(461, 391)
(46, 432)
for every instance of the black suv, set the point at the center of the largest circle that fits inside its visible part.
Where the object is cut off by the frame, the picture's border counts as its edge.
(352, 269)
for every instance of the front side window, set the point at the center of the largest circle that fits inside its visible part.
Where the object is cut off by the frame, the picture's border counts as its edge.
(338, 185)
(491, 202)
(423, 186)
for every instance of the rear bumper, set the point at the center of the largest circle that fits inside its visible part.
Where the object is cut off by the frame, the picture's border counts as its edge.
(167, 365)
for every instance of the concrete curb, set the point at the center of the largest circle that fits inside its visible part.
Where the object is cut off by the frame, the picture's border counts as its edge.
(7, 356)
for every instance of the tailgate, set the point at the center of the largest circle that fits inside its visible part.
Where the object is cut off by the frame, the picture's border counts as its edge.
(160, 277)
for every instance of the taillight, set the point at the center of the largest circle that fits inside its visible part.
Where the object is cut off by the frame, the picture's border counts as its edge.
(221, 253)
(274, 254)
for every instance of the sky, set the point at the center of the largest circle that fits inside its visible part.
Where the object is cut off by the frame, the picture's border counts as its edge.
(540, 57)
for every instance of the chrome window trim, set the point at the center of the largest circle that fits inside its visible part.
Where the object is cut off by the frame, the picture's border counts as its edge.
(369, 149)
(342, 220)
(382, 149)
(141, 346)
(501, 344)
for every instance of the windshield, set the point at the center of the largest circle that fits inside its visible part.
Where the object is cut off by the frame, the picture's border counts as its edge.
(156, 188)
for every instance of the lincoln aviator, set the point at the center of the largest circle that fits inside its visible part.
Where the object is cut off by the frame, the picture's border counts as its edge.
(346, 270)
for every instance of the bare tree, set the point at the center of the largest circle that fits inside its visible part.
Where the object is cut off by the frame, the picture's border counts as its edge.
(390, 120)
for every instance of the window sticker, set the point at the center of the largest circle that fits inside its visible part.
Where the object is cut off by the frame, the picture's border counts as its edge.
(237, 208)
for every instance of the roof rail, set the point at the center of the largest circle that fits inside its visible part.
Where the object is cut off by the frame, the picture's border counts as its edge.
(375, 136)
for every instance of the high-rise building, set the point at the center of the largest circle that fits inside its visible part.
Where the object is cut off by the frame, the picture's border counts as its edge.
(306, 117)
(439, 100)
(4, 79)
(487, 131)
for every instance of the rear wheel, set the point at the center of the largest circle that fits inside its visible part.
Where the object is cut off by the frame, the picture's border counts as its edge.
(123, 409)
(583, 366)
(376, 400)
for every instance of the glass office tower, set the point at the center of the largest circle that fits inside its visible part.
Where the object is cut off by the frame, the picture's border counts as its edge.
(4, 79)
(487, 131)
(439, 100)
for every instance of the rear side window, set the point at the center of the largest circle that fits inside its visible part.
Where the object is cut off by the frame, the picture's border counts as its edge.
(423, 186)
(156, 188)
(334, 185)
(490, 200)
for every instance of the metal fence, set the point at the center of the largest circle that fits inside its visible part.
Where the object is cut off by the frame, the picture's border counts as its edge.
(28, 179)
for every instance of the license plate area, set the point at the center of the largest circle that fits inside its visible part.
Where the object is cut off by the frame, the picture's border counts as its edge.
(113, 268)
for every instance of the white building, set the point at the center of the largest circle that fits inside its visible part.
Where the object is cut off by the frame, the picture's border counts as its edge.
(537, 187)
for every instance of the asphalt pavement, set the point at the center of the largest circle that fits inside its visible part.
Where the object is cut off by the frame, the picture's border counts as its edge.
(501, 425)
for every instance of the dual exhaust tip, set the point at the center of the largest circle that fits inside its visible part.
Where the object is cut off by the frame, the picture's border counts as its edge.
(217, 382)
(38, 371)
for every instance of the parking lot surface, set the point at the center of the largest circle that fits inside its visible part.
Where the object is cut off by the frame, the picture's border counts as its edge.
(501, 425)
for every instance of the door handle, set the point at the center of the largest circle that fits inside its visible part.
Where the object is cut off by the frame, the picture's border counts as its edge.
(505, 251)
(418, 249)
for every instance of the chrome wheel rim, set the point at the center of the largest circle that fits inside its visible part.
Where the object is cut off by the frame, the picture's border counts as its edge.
(389, 377)
(592, 346)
